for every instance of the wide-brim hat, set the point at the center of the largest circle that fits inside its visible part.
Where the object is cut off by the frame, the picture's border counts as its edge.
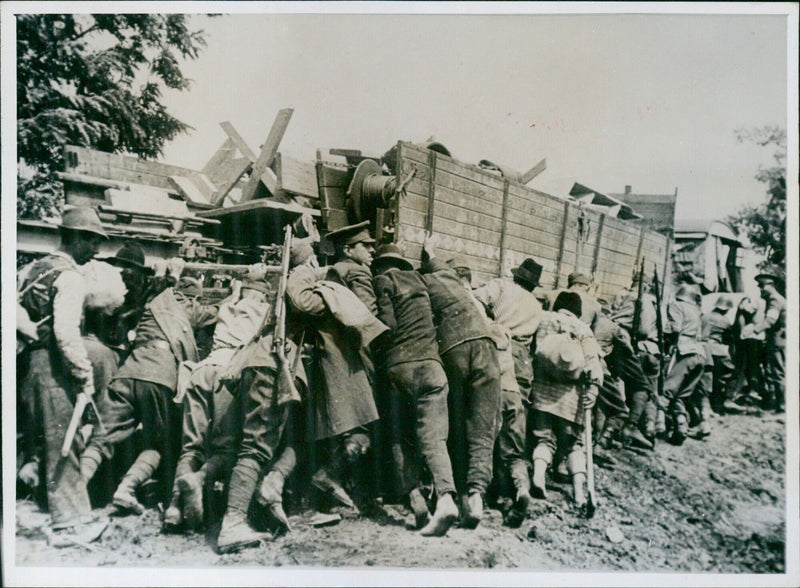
(82, 218)
(688, 293)
(351, 234)
(390, 254)
(528, 271)
(130, 256)
(301, 250)
(773, 275)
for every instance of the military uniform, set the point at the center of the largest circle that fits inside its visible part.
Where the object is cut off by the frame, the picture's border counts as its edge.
(684, 322)
(774, 327)
(142, 391)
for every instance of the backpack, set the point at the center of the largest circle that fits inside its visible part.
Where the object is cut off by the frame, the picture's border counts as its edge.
(560, 357)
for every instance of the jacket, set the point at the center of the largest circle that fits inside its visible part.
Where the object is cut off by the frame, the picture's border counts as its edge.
(342, 398)
(165, 337)
(454, 314)
(405, 307)
(511, 306)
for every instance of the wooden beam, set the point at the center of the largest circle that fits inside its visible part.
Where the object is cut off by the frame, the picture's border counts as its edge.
(431, 190)
(268, 151)
(503, 227)
(597, 244)
(560, 258)
(238, 141)
(534, 171)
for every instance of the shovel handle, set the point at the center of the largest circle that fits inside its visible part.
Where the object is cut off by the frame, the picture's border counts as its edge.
(80, 405)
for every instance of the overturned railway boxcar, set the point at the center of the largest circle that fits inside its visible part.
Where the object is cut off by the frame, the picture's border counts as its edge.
(490, 221)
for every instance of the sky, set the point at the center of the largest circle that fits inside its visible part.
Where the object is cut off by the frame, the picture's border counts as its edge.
(650, 101)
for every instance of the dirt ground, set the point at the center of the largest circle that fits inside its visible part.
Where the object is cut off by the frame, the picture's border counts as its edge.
(716, 505)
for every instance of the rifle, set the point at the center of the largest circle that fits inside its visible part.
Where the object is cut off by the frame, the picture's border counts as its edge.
(660, 327)
(637, 309)
(286, 377)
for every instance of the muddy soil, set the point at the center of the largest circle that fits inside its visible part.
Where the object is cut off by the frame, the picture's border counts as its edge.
(713, 505)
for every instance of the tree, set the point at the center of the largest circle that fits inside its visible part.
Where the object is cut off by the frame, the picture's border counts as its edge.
(94, 81)
(765, 224)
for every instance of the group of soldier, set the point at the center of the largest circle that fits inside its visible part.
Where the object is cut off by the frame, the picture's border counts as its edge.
(364, 379)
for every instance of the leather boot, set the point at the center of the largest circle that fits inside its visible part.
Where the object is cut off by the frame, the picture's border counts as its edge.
(681, 430)
(631, 435)
(539, 472)
(141, 470)
(444, 517)
(270, 495)
(190, 487)
(471, 510)
(419, 507)
(522, 499)
(236, 533)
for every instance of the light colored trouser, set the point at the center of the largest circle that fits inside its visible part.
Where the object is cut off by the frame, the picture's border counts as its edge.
(551, 432)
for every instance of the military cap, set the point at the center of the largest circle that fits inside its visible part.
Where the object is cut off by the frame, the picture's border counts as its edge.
(578, 278)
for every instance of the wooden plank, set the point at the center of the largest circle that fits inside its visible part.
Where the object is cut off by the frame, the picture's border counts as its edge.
(451, 211)
(238, 141)
(268, 151)
(477, 233)
(534, 171)
(413, 251)
(225, 169)
(298, 177)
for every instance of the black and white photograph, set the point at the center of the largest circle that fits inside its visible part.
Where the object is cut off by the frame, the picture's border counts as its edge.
(400, 293)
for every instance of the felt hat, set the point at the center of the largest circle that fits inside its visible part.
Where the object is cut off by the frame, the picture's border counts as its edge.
(578, 278)
(390, 254)
(570, 301)
(351, 234)
(528, 271)
(82, 218)
(130, 256)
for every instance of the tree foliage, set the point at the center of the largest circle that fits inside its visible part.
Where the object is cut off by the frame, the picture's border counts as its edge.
(765, 224)
(94, 81)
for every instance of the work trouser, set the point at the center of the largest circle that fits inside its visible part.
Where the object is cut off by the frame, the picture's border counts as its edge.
(473, 377)
(419, 424)
(749, 362)
(639, 387)
(682, 381)
(775, 376)
(128, 403)
(212, 424)
(551, 433)
(722, 378)
(514, 412)
(48, 397)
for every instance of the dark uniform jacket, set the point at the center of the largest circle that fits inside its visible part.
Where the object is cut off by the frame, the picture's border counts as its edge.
(165, 337)
(405, 307)
(455, 315)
